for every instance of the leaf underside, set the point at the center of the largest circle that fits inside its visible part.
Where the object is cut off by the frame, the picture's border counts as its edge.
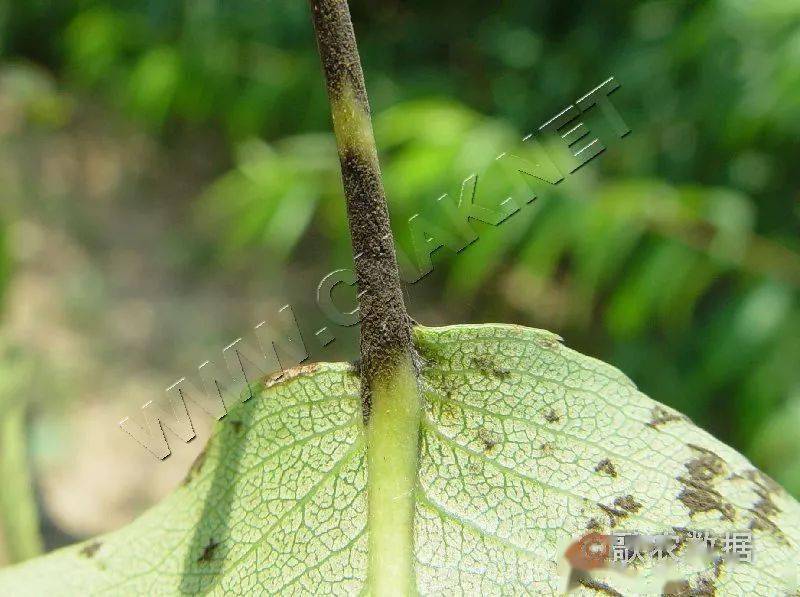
(526, 446)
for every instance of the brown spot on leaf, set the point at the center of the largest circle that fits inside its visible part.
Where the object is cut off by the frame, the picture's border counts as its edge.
(279, 377)
(593, 525)
(551, 416)
(676, 588)
(682, 588)
(196, 467)
(703, 499)
(208, 552)
(765, 508)
(704, 588)
(623, 506)
(237, 425)
(596, 585)
(449, 412)
(706, 466)
(488, 367)
(90, 549)
(661, 416)
(607, 467)
(628, 503)
(489, 439)
(719, 563)
(698, 493)
(547, 342)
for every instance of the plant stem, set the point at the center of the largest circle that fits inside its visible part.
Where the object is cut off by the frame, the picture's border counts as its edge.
(392, 402)
(19, 520)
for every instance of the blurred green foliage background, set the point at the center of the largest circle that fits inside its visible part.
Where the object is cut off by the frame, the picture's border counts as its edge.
(675, 255)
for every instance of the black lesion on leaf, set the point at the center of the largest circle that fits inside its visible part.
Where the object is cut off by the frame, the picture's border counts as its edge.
(208, 552)
(90, 549)
(489, 367)
(607, 467)
(698, 493)
(237, 425)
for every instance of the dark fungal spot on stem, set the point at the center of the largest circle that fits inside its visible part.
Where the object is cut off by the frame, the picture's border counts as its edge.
(386, 342)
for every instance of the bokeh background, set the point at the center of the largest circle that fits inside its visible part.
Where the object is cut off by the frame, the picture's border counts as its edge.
(168, 181)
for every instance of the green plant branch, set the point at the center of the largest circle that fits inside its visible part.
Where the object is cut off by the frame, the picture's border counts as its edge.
(390, 392)
(18, 516)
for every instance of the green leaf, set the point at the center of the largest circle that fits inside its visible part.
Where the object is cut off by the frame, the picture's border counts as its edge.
(525, 447)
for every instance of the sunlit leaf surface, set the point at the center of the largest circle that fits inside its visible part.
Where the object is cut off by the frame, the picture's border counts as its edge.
(527, 447)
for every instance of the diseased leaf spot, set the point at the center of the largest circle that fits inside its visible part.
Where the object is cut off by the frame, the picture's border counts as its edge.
(279, 377)
(593, 525)
(718, 565)
(489, 439)
(208, 552)
(662, 416)
(196, 467)
(489, 368)
(237, 425)
(91, 549)
(765, 508)
(607, 467)
(551, 416)
(628, 503)
(623, 506)
(598, 586)
(676, 588)
(698, 494)
(449, 413)
(707, 466)
(548, 343)
(704, 588)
